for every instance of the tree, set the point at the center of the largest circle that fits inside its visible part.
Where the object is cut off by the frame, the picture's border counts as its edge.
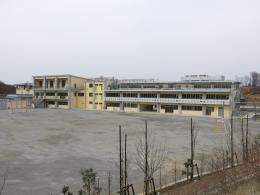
(89, 179)
(156, 154)
(2, 186)
(255, 79)
(66, 190)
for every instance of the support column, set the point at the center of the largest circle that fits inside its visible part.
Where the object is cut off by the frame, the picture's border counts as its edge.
(158, 107)
(138, 107)
(179, 109)
(204, 109)
(121, 103)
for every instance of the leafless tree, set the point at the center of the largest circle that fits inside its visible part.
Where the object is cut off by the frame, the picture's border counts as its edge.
(3, 184)
(255, 79)
(156, 155)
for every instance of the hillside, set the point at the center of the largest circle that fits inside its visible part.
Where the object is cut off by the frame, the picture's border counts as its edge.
(6, 89)
(252, 94)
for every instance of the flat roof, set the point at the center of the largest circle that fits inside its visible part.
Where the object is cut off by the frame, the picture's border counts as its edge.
(62, 75)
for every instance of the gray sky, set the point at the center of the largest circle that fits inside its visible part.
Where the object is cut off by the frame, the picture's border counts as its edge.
(162, 39)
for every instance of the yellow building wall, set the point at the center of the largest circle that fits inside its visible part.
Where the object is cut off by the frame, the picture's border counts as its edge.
(191, 113)
(128, 109)
(21, 91)
(113, 108)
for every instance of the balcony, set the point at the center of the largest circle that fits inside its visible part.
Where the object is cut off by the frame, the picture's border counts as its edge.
(166, 100)
(52, 89)
(172, 90)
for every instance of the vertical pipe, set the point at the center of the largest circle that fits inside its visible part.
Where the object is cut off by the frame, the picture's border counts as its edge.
(120, 160)
(146, 160)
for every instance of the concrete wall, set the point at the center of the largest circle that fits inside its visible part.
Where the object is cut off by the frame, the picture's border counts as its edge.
(113, 109)
(128, 109)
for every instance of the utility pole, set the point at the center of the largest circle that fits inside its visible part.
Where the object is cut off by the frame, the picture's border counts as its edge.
(146, 160)
(192, 148)
(247, 136)
(125, 166)
(120, 159)
(175, 171)
(109, 183)
(243, 137)
(232, 141)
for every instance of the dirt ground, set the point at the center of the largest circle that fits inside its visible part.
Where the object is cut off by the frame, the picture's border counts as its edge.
(46, 149)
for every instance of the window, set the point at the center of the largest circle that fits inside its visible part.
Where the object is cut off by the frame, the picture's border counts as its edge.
(51, 84)
(112, 94)
(75, 86)
(192, 96)
(90, 95)
(90, 85)
(80, 94)
(113, 104)
(90, 102)
(62, 103)
(148, 95)
(63, 83)
(218, 96)
(134, 95)
(168, 96)
(51, 102)
(50, 94)
(193, 108)
(40, 84)
(75, 94)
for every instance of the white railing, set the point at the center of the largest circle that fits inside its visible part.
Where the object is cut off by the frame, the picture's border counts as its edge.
(51, 89)
(167, 100)
(172, 89)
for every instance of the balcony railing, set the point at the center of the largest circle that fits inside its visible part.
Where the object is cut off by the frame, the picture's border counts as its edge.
(51, 88)
(167, 100)
(172, 89)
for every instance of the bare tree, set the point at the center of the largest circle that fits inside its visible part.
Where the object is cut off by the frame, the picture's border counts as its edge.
(156, 154)
(2, 186)
(255, 79)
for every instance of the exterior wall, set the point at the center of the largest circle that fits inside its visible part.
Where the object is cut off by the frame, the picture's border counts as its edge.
(22, 91)
(113, 109)
(127, 109)
(95, 95)
(209, 95)
(72, 86)
(192, 113)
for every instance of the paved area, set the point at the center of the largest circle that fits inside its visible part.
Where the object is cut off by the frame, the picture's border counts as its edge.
(45, 149)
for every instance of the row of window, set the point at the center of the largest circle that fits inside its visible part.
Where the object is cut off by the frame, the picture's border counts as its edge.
(59, 103)
(193, 108)
(95, 103)
(174, 96)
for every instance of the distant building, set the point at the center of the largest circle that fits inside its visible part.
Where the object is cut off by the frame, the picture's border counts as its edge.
(195, 95)
(69, 91)
(24, 89)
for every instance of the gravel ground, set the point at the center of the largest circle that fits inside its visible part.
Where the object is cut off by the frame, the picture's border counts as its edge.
(46, 149)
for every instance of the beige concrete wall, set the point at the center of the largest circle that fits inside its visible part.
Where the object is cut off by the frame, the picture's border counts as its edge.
(192, 113)
(113, 108)
(128, 109)
(21, 91)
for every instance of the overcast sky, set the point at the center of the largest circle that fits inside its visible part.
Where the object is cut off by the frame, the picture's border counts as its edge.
(162, 39)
